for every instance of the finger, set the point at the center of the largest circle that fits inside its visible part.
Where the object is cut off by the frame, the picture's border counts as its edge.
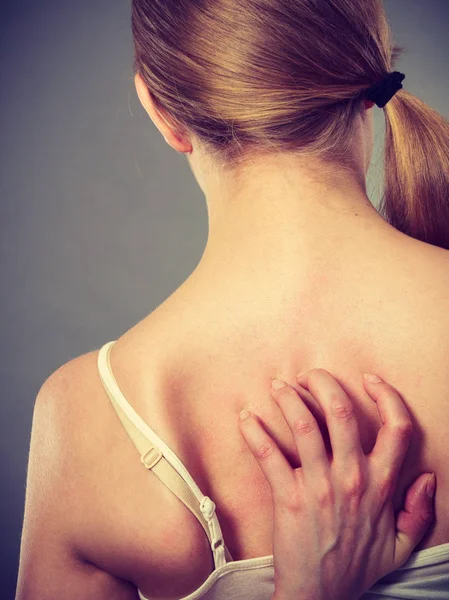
(271, 460)
(306, 432)
(414, 520)
(339, 412)
(393, 438)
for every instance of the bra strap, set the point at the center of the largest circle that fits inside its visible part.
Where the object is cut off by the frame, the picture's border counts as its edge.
(153, 459)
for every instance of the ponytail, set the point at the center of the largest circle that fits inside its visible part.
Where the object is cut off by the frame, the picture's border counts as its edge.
(416, 170)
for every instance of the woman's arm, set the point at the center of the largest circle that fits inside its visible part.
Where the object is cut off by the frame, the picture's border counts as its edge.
(335, 533)
(50, 567)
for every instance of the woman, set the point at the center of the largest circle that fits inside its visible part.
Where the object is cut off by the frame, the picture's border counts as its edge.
(269, 103)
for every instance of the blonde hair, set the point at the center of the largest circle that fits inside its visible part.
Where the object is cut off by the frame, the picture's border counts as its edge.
(248, 77)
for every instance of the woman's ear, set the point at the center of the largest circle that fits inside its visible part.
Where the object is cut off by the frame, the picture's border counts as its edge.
(161, 121)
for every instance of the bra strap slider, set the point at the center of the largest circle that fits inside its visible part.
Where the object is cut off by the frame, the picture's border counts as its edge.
(151, 458)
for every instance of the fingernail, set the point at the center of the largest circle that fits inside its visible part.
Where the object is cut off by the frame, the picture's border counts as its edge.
(244, 414)
(277, 384)
(372, 378)
(430, 488)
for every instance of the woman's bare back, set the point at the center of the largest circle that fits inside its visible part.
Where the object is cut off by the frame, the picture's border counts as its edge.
(395, 326)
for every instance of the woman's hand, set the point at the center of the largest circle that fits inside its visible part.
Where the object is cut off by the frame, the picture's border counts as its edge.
(334, 532)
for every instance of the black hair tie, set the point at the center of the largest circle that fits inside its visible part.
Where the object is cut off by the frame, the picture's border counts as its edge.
(383, 91)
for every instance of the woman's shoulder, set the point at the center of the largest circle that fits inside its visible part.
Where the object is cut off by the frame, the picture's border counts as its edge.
(428, 260)
(109, 506)
(414, 276)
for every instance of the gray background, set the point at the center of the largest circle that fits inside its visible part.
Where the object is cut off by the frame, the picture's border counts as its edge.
(100, 219)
